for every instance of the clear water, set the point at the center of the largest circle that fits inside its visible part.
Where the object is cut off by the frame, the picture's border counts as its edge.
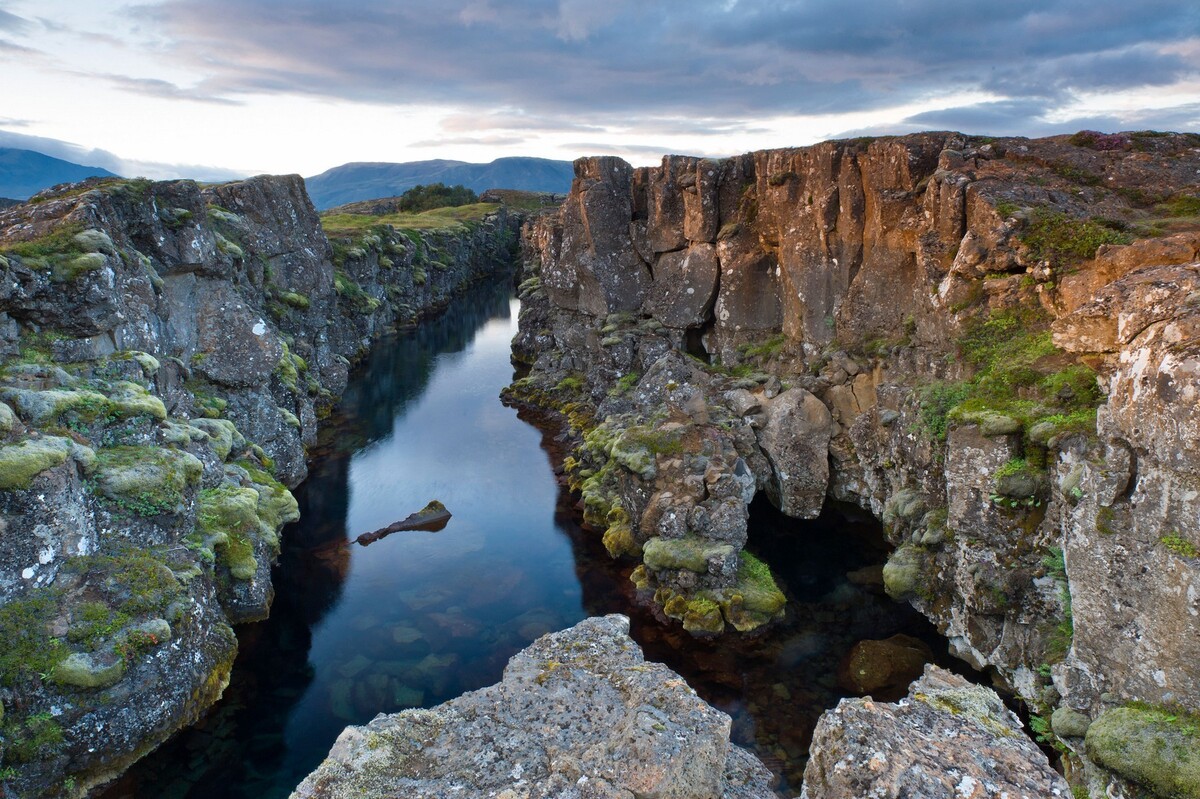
(418, 618)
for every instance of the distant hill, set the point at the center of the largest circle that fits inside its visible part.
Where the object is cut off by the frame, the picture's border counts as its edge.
(5, 202)
(24, 173)
(366, 181)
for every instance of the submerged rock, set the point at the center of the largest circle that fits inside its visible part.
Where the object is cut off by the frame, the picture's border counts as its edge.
(948, 739)
(579, 713)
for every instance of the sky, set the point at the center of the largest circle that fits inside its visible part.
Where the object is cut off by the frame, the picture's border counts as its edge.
(215, 89)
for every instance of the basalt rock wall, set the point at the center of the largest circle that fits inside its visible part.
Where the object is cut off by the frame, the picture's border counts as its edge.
(988, 343)
(168, 351)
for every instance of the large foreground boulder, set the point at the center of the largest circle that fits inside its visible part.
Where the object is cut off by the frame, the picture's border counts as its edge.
(949, 739)
(579, 714)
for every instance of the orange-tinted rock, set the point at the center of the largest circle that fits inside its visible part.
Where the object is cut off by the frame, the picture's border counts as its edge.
(883, 668)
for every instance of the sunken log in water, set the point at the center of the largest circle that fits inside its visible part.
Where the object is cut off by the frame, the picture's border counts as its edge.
(432, 519)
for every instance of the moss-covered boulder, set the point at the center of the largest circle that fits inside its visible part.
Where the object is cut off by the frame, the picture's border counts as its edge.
(1157, 749)
(692, 554)
(129, 400)
(42, 407)
(7, 419)
(223, 436)
(227, 520)
(903, 573)
(89, 671)
(147, 481)
(21, 462)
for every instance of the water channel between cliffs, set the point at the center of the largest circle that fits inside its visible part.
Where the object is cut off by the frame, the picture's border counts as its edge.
(419, 618)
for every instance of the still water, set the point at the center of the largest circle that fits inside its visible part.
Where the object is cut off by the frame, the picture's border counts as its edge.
(418, 618)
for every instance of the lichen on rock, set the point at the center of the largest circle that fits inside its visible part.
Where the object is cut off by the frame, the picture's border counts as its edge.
(578, 713)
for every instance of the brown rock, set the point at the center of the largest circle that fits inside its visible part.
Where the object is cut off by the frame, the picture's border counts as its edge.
(883, 667)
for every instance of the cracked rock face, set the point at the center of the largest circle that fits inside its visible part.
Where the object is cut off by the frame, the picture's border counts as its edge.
(948, 740)
(579, 714)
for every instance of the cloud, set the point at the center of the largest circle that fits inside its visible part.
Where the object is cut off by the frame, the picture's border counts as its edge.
(9, 46)
(155, 87)
(487, 141)
(639, 151)
(69, 151)
(11, 22)
(466, 123)
(602, 64)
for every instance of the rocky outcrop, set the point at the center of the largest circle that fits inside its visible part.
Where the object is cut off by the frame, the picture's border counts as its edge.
(987, 343)
(949, 739)
(578, 713)
(168, 351)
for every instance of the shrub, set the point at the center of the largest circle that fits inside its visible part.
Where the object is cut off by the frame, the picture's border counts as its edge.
(1062, 239)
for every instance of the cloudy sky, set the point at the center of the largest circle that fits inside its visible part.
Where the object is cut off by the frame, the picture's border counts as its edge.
(212, 88)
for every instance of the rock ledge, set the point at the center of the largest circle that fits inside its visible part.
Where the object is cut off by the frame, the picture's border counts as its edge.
(579, 714)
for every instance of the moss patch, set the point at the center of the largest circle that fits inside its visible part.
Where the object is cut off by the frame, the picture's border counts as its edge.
(28, 649)
(20, 463)
(690, 553)
(1156, 748)
(146, 481)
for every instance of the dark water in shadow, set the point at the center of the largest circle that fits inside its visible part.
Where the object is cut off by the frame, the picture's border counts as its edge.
(418, 618)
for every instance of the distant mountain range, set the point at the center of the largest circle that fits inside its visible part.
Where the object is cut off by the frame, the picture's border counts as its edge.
(366, 181)
(24, 173)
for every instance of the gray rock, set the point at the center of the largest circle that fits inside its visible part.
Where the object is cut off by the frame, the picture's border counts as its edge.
(685, 284)
(1068, 723)
(949, 739)
(796, 440)
(578, 714)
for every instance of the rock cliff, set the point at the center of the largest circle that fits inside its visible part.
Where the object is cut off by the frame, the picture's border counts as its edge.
(168, 351)
(579, 714)
(988, 343)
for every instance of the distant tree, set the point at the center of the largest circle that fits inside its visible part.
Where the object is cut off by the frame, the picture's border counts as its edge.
(435, 195)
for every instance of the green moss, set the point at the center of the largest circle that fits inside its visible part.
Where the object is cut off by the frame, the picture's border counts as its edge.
(764, 349)
(1063, 240)
(618, 534)
(146, 481)
(1061, 635)
(228, 518)
(89, 672)
(1157, 748)
(904, 574)
(1012, 389)
(757, 586)
(570, 383)
(20, 463)
(128, 400)
(353, 293)
(222, 434)
(135, 582)
(30, 739)
(295, 300)
(1180, 546)
(57, 243)
(276, 505)
(93, 622)
(29, 649)
(690, 553)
